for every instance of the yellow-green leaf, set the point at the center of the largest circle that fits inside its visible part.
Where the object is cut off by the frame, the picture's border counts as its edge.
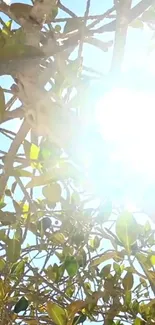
(128, 281)
(57, 313)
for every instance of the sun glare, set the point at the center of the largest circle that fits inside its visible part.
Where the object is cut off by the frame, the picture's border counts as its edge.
(127, 119)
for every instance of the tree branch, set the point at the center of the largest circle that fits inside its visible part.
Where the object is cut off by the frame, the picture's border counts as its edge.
(122, 9)
(9, 159)
(135, 12)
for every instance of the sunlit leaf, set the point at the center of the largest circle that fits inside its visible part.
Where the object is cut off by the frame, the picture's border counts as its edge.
(152, 259)
(57, 313)
(94, 243)
(127, 229)
(34, 155)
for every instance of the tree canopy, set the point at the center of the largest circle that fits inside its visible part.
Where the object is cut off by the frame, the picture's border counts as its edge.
(69, 255)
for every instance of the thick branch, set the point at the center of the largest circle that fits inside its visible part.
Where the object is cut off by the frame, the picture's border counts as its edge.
(135, 12)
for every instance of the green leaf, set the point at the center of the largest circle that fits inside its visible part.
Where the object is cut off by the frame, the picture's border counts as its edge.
(72, 24)
(138, 321)
(94, 243)
(52, 192)
(137, 23)
(21, 305)
(57, 238)
(18, 268)
(117, 268)
(8, 24)
(135, 307)
(2, 264)
(56, 313)
(127, 230)
(128, 281)
(54, 12)
(128, 298)
(71, 266)
(13, 250)
(2, 104)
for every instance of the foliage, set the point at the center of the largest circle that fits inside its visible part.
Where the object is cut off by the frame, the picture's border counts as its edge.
(68, 255)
